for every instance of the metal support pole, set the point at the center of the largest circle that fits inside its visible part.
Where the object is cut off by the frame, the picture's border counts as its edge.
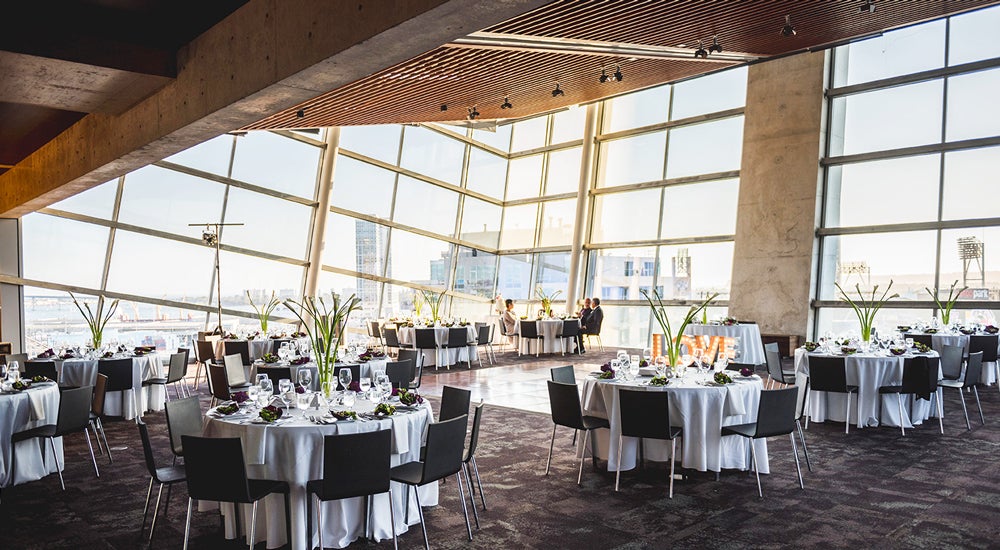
(323, 196)
(582, 204)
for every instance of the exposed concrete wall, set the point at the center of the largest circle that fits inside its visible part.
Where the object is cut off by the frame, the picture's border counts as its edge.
(779, 194)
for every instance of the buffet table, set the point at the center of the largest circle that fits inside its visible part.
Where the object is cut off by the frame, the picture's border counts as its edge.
(291, 451)
(751, 348)
(31, 408)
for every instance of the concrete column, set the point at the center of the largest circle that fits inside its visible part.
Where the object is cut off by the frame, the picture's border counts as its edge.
(11, 296)
(582, 203)
(324, 194)
(780, 183)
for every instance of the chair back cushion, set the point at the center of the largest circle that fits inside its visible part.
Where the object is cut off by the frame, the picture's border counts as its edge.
(529, 329)
(483, 333)
(951, 362)
(241, 347)
(571, 327)
(458, 337)
(477, 417)
(74, 410)
(973, 369)
(445, 446)
(176, 367)
(827, 374)
(425, 339)
(277, 374)
(776, 412)
(120, 373)
(920, 376)
(205, 351)
(40, 368)
(234, 369)
(391, 338)
(97, 403)
(454, 403)
(564, 402)
(219, 381)
(356, 464)
(986, 343)
(183, 418)
(773, 359)
(400, 373)
(215, 468)
(563, 374)
(413, 354)
(644, 413)
(147, 449)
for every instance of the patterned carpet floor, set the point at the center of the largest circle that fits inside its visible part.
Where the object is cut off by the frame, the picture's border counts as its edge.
(869, 488)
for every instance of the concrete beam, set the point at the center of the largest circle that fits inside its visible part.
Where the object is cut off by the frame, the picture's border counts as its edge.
(267, 56)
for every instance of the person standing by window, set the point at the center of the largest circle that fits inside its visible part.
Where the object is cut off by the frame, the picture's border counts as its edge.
(584, 314)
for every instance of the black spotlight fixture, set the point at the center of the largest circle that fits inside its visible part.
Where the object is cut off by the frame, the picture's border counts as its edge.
(557, 92)
(506, 103)
(715, 47)
(788, 29)
(444, 107)
(301, 113)
(604, 76)
(618, 73)
(473, 113)
(868, 6)
(701, 52)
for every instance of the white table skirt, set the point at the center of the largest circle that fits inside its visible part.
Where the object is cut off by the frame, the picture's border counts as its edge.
(443, 357)
(868, 372)
(292, 452)
(552, 342)
(751, 348)
(83, 372)
(700, 410)
(17, 414)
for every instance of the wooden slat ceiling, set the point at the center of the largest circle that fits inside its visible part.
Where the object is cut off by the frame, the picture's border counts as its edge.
(461, 76)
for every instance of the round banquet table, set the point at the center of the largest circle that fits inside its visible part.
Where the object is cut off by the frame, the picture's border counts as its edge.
(552, 341)
(292, 451)
(867, 372)
(31, 408)
(700, 410)
(452, 356)
(940, 340)
(751, 347)
(83, 372)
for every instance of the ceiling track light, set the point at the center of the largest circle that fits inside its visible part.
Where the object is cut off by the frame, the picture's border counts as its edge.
(788, 29)
(506, 103)
(301, 113)
(715, 47)
(604, 76)
(557, 91)
(868, 6)
(618, 73)
(700, 52)
(473, 113)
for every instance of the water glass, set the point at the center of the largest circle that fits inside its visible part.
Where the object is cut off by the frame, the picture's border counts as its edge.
(285, 387)
(266, 386)
(305, 378)
(13, 372)
(253, 392)
(366, 384)
(303, 400)
(345, 378)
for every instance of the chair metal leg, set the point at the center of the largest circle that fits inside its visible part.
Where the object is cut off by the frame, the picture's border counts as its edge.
(795, 452)
(980, 405)
(93, 458)
(479, 482)
(583, 454)
(319, 521)
(753, 454)
(937, 397)
(392, 518)
(673, 450)
(964, 409)
(156, 509)
(465, 509)
(847, 421)
(145, 508)
(902, 423)
(423, 526)
(253, 523)
(551, 444)
(55, 456)
(618, 474)
(805, 450)
(100, 424)
(472, 496)
(187, 524)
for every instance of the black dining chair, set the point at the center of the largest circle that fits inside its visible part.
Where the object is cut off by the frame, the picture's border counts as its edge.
(354, 465)
(952, 358)
(216, 470)
(829, 374)
(40, 368)
(97, 415)
(801, 401)
(646, 415)
(241, 347)
(484, 342)
(444, 449)
(424, 339)
(564, 403)
(455, 402)
(988, 344)
(175, 376)
(469, 459)
(571, 333)
(236, 374)
(772, 357)
(73, 417)
(566, 375)
(458, 338)
(184, 417)
(163, 475)
(121, 377)
(973, 370)
(400, 373)
(391, 338)
(204, 353)
(355, 374)
(920, 379)
(418, 367)
(219, 384)
(529, 332)
(776, 414)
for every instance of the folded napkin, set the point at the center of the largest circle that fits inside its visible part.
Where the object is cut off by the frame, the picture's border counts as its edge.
(37, 405)
(647, 371)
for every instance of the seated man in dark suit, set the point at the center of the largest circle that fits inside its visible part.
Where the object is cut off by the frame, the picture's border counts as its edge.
(584, 315)
(593, 323)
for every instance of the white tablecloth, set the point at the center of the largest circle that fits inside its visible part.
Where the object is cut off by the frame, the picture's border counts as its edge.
(550, 331)
(258, 347)
(868, 372)
(751, 349)
(18, 413)
(83, 372)
(293, 452)
(443, 357)
(700, 410)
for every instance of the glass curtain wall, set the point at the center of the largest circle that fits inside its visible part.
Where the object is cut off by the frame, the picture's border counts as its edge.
(908, 198)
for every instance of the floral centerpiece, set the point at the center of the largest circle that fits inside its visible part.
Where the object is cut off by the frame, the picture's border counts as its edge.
(866, 309)
(659, 381)
(345, 415)
(270, 413)
(922, 347)
(673, 341)
(96, 319)
(265, 310)
(240, 396)
(408, 397)
(324, 323)
(811, 346)
(47, 353)
(730, 321)
(722, 378)
(949, 303)
(227, 408)
(370, 354)
(607, 373)
(269, 358)
(300, 360)
(990, 329)
(546, 299)
(384, 409)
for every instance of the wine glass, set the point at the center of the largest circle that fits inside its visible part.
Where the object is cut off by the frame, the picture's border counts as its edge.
(385, 384)
(285, 387)
(366, 384)
(13, 372)
(647, 354)
(265, 391)
(305, 378)
(345, 378)
(261, 378)
(661, 365)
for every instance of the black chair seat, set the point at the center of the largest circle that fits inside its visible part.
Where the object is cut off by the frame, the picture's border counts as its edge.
(260, 488)
(410, 473)
(746, 430)
(170, 474)
(594, 422)
(154, 381)
(951, 383)
(890, 389)
(41, 431)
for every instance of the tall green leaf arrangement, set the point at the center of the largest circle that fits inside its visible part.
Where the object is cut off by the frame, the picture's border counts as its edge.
(866, 307)
(265, 310)
(950, 303)
(673, 340)
(434, 300)
(546, 299)
(324, 324)
(96, 319)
